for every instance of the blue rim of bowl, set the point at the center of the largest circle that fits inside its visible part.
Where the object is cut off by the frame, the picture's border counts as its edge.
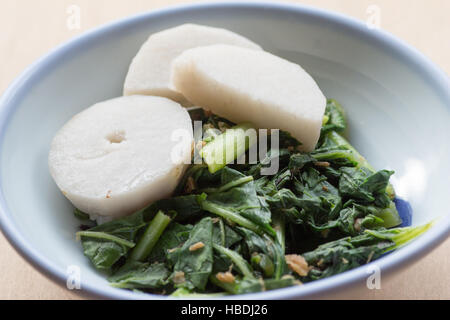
(387, 264)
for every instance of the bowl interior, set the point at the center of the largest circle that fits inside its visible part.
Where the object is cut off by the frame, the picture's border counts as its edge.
(398, 117)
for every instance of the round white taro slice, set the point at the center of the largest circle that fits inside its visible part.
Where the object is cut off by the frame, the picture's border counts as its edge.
(120, 155)
(245, 85)
(149, 72)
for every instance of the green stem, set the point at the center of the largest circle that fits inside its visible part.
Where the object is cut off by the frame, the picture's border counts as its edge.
(150, 236)
(106, 236)
(230, 215)
(389, 215)
(228, 146)
(337, 154)
(228, 287)
(222, 232)
(279, 226)
(264, 263)
(400, 236)
(279, 251)
(237, 259)
(229, 185)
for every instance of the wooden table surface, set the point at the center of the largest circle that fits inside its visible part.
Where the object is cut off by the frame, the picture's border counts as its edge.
(31, 28)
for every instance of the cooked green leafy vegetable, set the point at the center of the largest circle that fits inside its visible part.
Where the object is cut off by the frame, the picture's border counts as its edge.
(334, 118)
(235, 198)
(151, 235)
(231, 228)
(140, 275)
(228, 146)
(194, 259)
(344, 254)
(173, 237)
(105, 244)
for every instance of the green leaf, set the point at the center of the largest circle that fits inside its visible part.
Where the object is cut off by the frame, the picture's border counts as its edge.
(334, 141)
(336, 155)
(196, 265)
(266, 245)
(224, 235)
(347, 253)
(139, 275)
(400, 236)
(335, 117)
(173, 237)
(105, 244)
(186, 207)
(281, 156)
(299, 160)
(105, 236)
(341, 255)
(237, 201)
(363, 184)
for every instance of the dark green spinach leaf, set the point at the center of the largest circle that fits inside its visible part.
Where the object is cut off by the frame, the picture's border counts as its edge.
(196, 265)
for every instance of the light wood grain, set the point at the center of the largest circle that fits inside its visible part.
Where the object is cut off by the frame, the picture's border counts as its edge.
(29, 29)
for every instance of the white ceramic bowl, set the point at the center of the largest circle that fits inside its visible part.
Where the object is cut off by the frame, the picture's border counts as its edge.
(397, 102)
